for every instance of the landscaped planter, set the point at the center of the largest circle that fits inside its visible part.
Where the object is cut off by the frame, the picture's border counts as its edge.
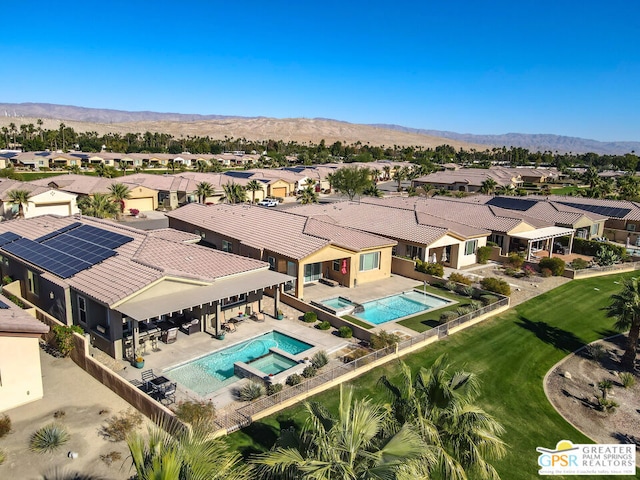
(138, 362)
(220, 336)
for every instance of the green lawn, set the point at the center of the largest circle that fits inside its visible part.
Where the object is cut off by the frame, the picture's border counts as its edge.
(511, 353)
(566, 190)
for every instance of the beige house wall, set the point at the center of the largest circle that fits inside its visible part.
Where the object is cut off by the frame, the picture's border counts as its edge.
(20, 371)
(142, 198)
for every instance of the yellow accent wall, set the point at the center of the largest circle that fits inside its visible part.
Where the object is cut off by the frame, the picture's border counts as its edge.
(20, 372)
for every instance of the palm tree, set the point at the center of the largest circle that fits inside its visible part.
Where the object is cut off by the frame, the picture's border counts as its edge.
(234, 193)
(462, 437)
(186, 454)
(119, 192)
(20, 198)
(204, 190)
(253, 186)
(372, 191)
(625, 308)
(354, 445)
(202, 166)
(399, 174)
(488, 186)
(307, 195)
(100, 169)
(100, 206)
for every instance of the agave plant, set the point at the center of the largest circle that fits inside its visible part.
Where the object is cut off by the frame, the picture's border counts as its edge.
(48, 438)
(250, 391)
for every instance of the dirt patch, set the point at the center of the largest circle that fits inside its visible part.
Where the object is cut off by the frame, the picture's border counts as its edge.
(574, 395)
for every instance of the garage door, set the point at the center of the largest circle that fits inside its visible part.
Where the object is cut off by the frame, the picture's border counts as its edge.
(143, 204)
(48, 209)
(279, 192)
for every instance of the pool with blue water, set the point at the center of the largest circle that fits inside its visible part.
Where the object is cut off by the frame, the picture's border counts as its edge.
(398, 306)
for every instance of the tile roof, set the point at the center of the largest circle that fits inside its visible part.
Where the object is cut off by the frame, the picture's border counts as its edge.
(15, 320)
(138, 263)
(278, 231)
(174, 235)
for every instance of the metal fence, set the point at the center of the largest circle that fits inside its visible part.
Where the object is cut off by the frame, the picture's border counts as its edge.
(241, 417)
(587, 272)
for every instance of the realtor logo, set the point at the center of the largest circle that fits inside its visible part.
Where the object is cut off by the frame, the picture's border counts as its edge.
(587, 459)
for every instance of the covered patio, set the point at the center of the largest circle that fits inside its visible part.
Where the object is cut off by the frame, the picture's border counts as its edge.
(543, 239)
(206, 308)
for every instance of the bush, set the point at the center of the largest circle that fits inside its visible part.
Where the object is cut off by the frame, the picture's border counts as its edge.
(460, 278)
(345, 332)
(323, 325)
(294, 379)
(555, 264)
(579, 264)
(6, 280)
(5, 425)
(606, 405)
(448, 316)
(483, 253)
(434, 269)
(320, 359)
(463, 310)
(383, 339)
(310, 317)
(596, 351)
(309, 371)
(119, 426)
(591, 247)
(134, 211)
(63, 335)
(251, 391)
(627, 379)
(201, 413)
(528, 271)
(546, 273)
(467, 291)
(451, 286)
(606, 256)
(487, 299)
(496, 285)
(511, 272)
(355, 354)
(475, 305)
(515, 260)
(274, 388)
(48, 438)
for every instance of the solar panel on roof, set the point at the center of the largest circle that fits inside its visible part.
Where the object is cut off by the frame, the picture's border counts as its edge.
(614, 212)
(100, 237)
(8, 237)
(58, 232)
(237, 174)
(47, 258)
(3, 305)
(79, 248)
(511, 203)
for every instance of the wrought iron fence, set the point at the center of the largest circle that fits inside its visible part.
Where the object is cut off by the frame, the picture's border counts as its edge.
(242, 416)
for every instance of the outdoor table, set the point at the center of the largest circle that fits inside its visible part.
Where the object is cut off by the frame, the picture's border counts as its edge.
(158, 383)
(239, 318)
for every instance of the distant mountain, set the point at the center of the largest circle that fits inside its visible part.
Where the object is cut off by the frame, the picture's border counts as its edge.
(532, 142)
(98, 115)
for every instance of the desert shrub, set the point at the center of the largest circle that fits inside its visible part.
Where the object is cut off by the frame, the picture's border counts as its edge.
(515, 260)
(579, 264)
(451, 286)
(596, 351)
(546, 272)
(528, 271)
(467, 291)
(434, 269)
(6, 280)
(59, 414)
(196, 413)
(274, 388)
(345, 332)
(323, 325)
(483, 253)
(14, 299)
(475, 305)
(355, 354)
(310, 317)
(555, 264)
(111, 457)
(320, 359)
(3, 456)
(607, 405)
(294, 379)
(491, 244)
(627, 379)
(463, 310)
(63, 335)
(606, 256)
(251, 391)
(5, 425)
(309, 371)
(383, 339)
(496, 285)
(448, 316)
(119, 426)
(460, 278)
(511, 272)
(487, 299)
(48, 438)
(591, 247)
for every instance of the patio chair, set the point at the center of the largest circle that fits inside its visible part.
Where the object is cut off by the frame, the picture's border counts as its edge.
(229, 327)
(148, 375)
(169, 393)
(170, 335)
(257, 317)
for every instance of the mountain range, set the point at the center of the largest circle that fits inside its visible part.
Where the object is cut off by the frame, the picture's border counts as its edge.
(299, 129)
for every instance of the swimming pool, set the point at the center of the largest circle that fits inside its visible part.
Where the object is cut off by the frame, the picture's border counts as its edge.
(211, 372)
(273, 363)
(404, 304)
(338, 305)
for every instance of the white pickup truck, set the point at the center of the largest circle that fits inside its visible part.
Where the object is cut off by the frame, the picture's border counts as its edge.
(268, 202)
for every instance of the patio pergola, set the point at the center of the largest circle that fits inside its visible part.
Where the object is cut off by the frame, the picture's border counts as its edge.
(547, 234)
(207, 297)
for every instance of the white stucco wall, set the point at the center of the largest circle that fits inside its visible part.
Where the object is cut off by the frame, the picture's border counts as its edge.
(20, 372)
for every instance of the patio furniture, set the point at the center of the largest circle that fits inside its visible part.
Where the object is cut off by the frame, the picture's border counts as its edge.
(148, 375)
(229, 327)
(190, 327)
(170, 335)
(168, 394)
(143, 345)
(257, 317)
(330, 282)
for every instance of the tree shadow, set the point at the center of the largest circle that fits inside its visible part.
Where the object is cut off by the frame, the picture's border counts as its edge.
(559, 338)
(263, 435)
(431, 323)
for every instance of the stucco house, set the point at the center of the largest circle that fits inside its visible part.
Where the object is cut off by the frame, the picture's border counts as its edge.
(42, 200)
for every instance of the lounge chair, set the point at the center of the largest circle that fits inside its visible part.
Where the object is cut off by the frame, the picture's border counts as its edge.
(169, 336)
(229, 327)
(257, 317)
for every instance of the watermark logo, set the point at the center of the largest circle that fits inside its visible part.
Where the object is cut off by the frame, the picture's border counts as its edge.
(584, 459)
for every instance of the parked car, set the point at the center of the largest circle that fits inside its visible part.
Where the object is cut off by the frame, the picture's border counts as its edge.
(268, 202)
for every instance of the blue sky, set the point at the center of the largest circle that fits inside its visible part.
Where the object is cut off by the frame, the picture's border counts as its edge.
(564, 67)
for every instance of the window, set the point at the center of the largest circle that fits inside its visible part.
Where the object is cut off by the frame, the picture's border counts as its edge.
(272, 263)
(369, 261)
(227, 246)
(594, 229)
(336, 265)
(33, 281)
(234, 300)
(414, 251)
(631, 227)
(82, 309)
(292, 269)
(470, 247)
(312, 272)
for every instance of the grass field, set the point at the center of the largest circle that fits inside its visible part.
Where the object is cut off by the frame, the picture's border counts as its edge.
(567, 190)
(511, 353)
